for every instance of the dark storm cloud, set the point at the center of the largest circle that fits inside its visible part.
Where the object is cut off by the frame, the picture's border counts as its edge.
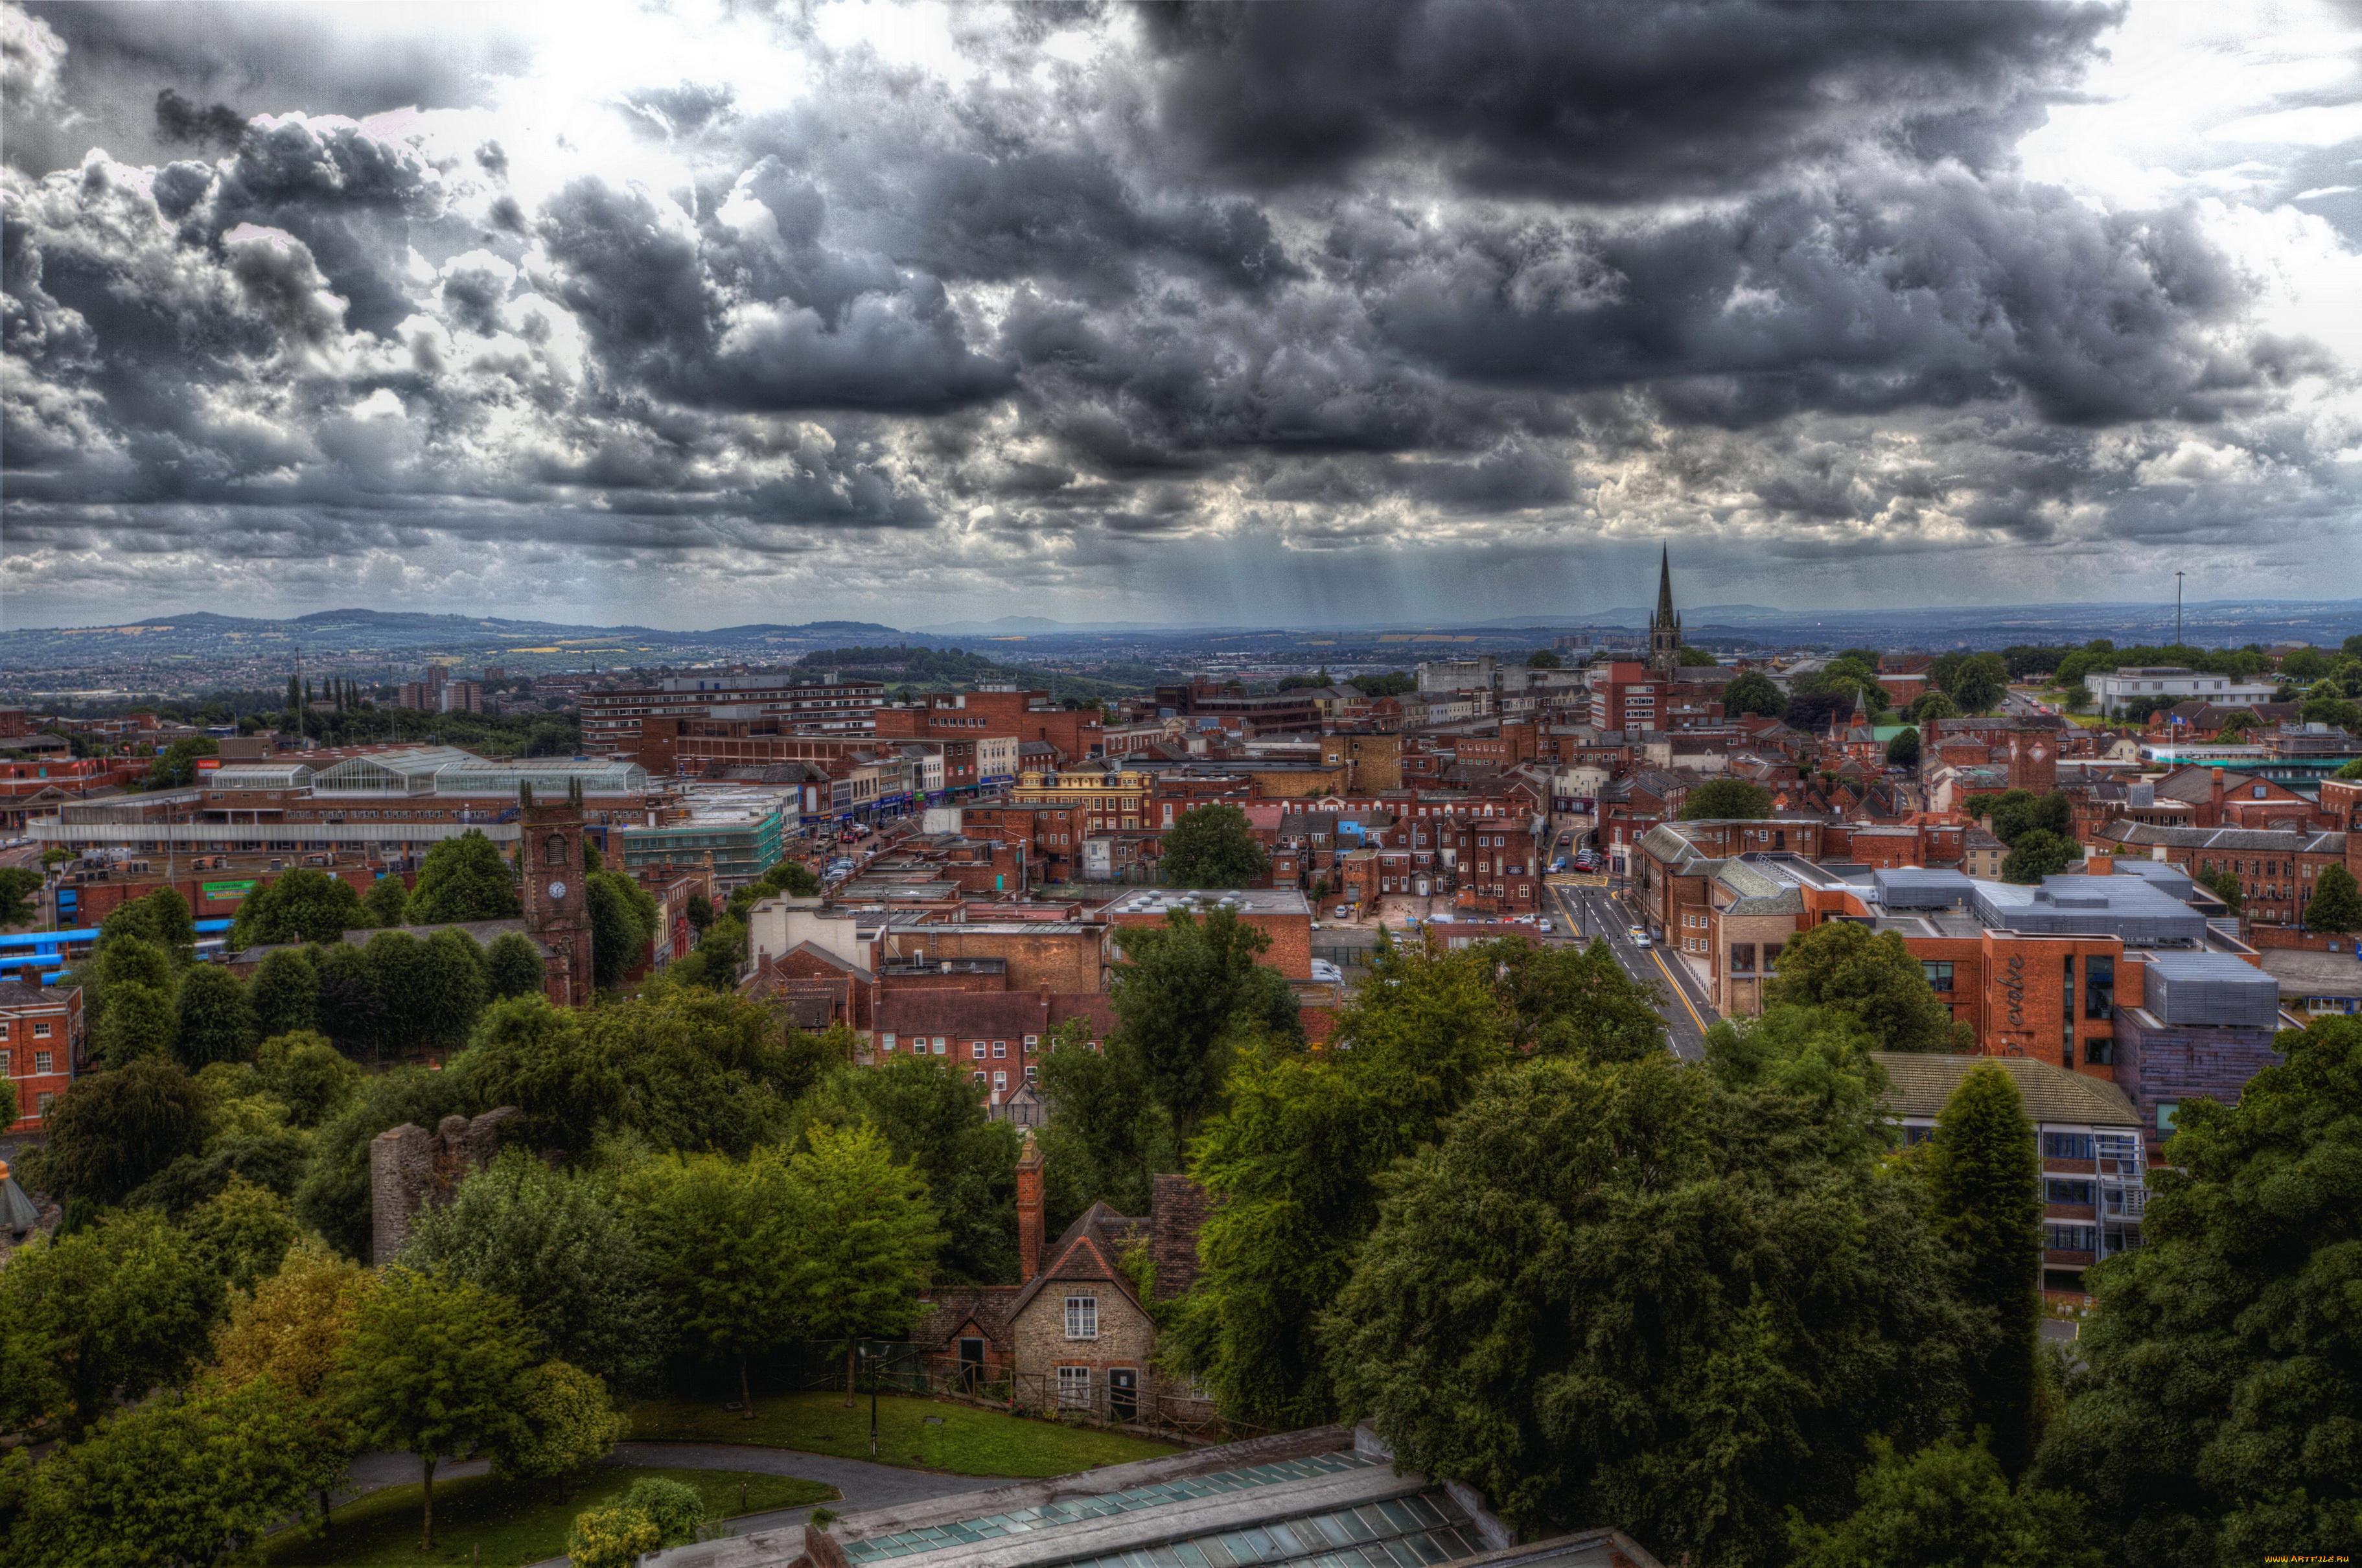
(1330, 277)
(1600, 100)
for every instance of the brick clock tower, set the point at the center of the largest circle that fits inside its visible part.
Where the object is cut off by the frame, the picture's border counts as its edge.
(557, 904)
(2034, 760)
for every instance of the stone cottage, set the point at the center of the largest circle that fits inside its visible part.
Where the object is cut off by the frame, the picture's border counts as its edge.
(1075, 1333)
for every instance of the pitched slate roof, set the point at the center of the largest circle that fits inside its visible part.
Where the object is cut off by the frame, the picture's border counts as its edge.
(2283, 841)
(1919, 1085)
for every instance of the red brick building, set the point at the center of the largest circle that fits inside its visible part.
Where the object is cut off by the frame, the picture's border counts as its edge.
(41, 1047)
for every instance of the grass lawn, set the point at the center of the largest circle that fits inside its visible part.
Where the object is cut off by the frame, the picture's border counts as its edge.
(933, 1434)
(514, 1523)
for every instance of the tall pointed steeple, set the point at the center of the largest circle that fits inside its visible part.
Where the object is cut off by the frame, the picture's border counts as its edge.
(1665, 625)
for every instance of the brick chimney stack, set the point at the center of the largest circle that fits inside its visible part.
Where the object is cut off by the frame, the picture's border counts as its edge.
(1028, 1210)
(2215, 800)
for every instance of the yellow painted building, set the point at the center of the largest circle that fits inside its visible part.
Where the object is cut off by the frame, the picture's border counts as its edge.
(1103, 802)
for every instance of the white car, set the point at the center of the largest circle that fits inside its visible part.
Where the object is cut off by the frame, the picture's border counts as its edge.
(1641, 939)
(1546, 928)
(1342, 912)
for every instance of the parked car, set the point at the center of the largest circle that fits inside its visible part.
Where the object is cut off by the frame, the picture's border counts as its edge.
(1342, 912)
(1546, 928)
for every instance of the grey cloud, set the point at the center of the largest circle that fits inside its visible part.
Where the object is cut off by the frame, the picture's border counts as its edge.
(180, 119)
(1603, 101)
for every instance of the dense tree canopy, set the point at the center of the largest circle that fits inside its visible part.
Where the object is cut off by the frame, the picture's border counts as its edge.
(1107, 1136)
(464, 878)
(112, 1311)
(1591, 1302)
(2039, 852)
(2336, 903)
(2018, 811)
(1724, 799)
(865, 1235)
(1902, 750)
(1948, 1506)
(1978, 682)
(930, 1115)
(1984, 1188)
(1872, 977)
(721, 1238)
(214, 1021)
(299, 904)
(1753, 691)
(1189, 994)
(286, 994)
(110, 1131)
(2222, 1407)
(623, 918)
(1211, 847)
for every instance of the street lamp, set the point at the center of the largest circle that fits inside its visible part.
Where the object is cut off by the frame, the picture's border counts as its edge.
(872, 1357)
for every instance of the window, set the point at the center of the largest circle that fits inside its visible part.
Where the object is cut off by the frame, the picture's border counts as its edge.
(886, 1043)
(2056, 1190)
(1918, 1134)
(941, 1046)
(1074, 1387)
(1938, 973)
(1001, 1081)
(41, 1062)
(42, 1103)
(5, 1059)
(2098, 988)
(2074, 1238)
(976, 1049)
(1742, 957)
(1082, 1316)
(2067, 1146)
(1029, 1072)
(41, 1032)
(2165, 1109)
(2099, 1051)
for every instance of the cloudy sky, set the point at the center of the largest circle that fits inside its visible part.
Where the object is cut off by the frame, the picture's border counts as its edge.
(1299, 312)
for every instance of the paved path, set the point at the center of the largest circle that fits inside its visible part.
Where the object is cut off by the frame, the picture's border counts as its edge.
(860, 1484)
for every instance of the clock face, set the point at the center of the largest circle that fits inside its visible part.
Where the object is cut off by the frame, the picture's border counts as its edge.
(558, 890)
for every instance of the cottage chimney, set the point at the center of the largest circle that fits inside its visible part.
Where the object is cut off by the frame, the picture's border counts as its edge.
(1028, 1210)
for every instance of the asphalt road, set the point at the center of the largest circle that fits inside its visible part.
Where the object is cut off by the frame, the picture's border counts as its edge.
(1592, 911)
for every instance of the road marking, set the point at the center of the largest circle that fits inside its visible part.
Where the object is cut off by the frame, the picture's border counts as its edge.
(1679, 991)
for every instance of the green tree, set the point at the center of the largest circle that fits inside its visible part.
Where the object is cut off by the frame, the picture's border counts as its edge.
(139, 1023)
(2217, 1420)
(1106, 1137)
(721, 1239)
(242, 1232)
(673, 1507)
(1871, 977)
(512, 965)
(1694, 659)
(189, 1479)
(307, 1075)
(611, 1536)
(176, 768)
(2336, 903)
(1191, 992)
(17, 885)
(121, 1307)
(457, 987)
(1948, 1506)
(1293, 1163)
(214, 1022)
(1984, 1188)
(1588, 1237)
(538, 1058)
(865, 1236)
(464, 878)
(160, 917)
(387, 899)
(2018, 811)
(352, 1011)
(110, 1131)
(702, 1069)
(1212, 846)
(286, 994)
(1563, 1001)
(2038, 854)
(2226, 885)
(2238, 725)
(2351, 770)
(299, 904)
(565, 1424)
(431, 1368)
(1540, 658)
(1853, 681)
(2304, 664)
(623, 918)
(699, 911)
(1753, 691)
(1979, 682)
(1932, 706)
(291, 1330)
(556, 1245)
(1903, 751)
(931, 1115)
(1724, 799)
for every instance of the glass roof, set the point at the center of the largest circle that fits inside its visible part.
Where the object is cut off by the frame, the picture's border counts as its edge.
(1018, 1521)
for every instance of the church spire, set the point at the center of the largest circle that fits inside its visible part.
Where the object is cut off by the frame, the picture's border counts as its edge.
(1665, 584)
(1665, 625)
